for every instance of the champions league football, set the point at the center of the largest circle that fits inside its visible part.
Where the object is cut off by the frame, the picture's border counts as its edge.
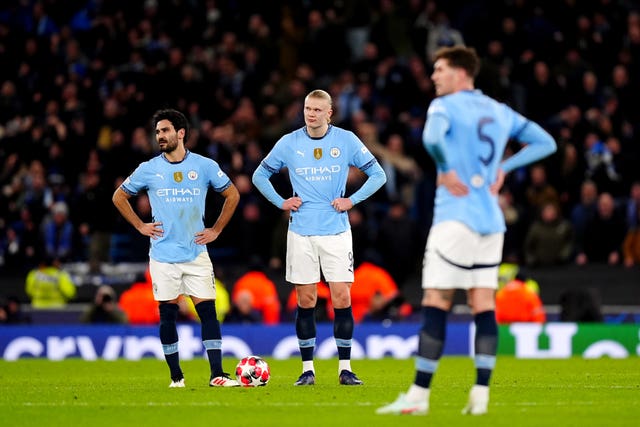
(253, 371)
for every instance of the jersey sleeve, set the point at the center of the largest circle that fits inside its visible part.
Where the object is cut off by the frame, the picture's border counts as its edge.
(538, 143)
(261, 181)
(362, 157)
(271, 164)
(433, 136)
(274, 161)
(136, 182)
(218, 179)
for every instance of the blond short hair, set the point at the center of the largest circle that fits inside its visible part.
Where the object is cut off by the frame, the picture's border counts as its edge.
(321, 94)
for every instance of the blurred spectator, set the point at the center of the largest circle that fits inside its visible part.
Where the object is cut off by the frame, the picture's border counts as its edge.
(93, 212)
(371, 281)
(584, 212)
(127, 245)
(397, 243)
(570, 176)
(253, 231)
(539, 191)
(138, 302)
(105, 308)
(507, 272)
(3, 312)
(600, 163)
(390, 29)
(48, 286)
(633, 206)
(36, 193)
(514, 234)
(518, 302)
(402, 171)
(265, 296)
(441, 34)
(11, 312)
(580, 305)
(223, 300)
(383, 310)
(279, 241)
(544, 94)
(549, 240)
(243, 310)
(22, 244)
(631, 243)
(59, 233)
(604, 235)
(362, 235)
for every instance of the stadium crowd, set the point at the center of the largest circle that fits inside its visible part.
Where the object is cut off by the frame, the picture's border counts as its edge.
(81, 77)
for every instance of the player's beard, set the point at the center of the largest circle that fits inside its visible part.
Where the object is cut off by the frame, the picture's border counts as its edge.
(170, 145)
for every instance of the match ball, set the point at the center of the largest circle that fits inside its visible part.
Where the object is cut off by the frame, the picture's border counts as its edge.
(252, 371)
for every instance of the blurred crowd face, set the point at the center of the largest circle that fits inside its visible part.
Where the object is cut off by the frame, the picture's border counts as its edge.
(549, 213)
(606, 205)
(244, 302)
(589, 193)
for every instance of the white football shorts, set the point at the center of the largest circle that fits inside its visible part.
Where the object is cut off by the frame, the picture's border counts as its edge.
(306, 255)
(171, 280)
(457, 257)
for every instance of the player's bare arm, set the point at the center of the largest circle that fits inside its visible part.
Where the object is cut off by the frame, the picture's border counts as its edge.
(121, 201)
(231, 200)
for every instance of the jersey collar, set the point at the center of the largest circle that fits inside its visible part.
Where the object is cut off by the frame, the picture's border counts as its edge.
(186, 154)
(304, 129)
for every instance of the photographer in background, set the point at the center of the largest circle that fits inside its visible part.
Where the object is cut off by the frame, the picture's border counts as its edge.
(104, 308)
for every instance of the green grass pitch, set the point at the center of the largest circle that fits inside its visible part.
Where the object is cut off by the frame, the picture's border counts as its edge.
(572, 392)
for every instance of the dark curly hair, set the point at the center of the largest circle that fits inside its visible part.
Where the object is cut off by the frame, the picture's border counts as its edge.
(177, 119)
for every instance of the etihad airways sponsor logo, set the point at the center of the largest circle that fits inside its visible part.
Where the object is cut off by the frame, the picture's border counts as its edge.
(318, 173)
(165, 192)
(318, 170)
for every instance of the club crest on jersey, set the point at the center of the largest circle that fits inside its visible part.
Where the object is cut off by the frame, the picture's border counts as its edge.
(192, 175)
(177, 176)
(335, 152)
(317, 153)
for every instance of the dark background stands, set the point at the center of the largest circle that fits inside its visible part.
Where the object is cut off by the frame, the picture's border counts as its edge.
(80, 78)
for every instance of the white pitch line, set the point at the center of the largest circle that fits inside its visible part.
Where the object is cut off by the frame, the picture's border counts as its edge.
(285, 404)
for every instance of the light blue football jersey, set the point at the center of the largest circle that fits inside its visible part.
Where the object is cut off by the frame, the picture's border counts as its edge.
(476, 130)
(318, 169)
(177, 193)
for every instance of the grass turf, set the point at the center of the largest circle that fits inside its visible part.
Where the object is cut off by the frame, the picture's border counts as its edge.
(572, 392)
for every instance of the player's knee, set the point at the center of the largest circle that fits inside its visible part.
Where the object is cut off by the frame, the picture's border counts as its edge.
(307, 298)
(340, 297)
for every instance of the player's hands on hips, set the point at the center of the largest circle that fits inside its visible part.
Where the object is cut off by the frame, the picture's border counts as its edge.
(342, 204)
(452, 183)
(151, 229)
(497, 185)
(205, 236)
(292, 204)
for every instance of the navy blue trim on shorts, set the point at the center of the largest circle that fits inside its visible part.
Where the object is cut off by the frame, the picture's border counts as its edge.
(466, 267)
